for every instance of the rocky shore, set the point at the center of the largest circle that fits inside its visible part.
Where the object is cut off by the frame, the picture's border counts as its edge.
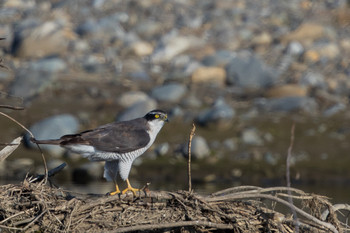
(241, 70)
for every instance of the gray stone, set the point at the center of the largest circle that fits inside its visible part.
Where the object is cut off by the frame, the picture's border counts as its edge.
(93, 64)
(130, 98)
(172, 45)
(104, 28)
(295, 48)
(34, 39)
(220, 114)
(171, 92)
(139, 76)
(336, 108)
(311, 79)
(287, 104)
(191, 102)
(28, 83)
(137, 110)
(162, 149)
(199, 148)
(251, 136)
(49, 65)
(52, 128)
(221, 58)
(248, 71)
(230, 144)
(271, 159)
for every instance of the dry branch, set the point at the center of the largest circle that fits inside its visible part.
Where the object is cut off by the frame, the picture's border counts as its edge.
(6, 151)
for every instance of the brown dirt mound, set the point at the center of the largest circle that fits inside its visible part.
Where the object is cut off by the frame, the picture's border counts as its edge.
(36, 207)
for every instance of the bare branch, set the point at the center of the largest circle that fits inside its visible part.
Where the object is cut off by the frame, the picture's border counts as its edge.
(5, 152)
(174, 225)
(189, 158)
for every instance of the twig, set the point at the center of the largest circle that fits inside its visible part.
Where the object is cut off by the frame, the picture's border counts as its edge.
(31, 134)
(335, 207)
(35, 219)
(5, 152)
(220, 226)
(270, 197)
(12, 216)
(189, 158)
(11, 107)
(289, 156)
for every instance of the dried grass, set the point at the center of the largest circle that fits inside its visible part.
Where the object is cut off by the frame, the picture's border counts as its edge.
(36, 207)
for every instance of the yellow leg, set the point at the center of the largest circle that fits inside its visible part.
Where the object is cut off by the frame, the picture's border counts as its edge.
(129, 188)
(117, 191)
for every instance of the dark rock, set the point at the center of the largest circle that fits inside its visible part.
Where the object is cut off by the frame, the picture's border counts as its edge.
(104, 28)
(87, 172)
(29, 83)
(221, 58)
(287, 104)
(248, 71)
(219, 115)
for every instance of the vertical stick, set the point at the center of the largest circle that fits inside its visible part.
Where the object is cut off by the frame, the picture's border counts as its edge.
(289, 156)
(189, 159)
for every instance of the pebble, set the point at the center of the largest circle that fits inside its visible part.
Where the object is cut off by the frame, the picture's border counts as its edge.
(141, 48)
(286, 90)
(216, 75)
(173, 45)
(162, 149)
(29, 83)
(248, 71)
(288, 104)
(251, 136)
(53, 128)
(49, 65)
(311, 79)
(172, 92)
(306, 33)
(219, 115)
(219, 59)
(139, 109)
(199, 148)
(39, 40)
(230, 144)
(335, 109)
(130, 98)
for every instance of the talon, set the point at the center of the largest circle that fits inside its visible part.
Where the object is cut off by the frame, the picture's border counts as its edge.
(129, 188)
(117, 191)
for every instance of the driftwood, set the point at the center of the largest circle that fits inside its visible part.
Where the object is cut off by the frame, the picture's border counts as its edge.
(37, 207)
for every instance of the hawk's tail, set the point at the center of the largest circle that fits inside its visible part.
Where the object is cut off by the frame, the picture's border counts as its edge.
(49, 141)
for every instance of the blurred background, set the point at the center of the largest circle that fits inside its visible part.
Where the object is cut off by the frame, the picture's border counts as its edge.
(243, 71)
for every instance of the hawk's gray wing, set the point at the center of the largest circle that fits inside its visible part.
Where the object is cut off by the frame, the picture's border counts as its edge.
(119, 137)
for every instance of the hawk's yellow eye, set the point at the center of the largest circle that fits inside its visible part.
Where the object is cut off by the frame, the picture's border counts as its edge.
(156, 116)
